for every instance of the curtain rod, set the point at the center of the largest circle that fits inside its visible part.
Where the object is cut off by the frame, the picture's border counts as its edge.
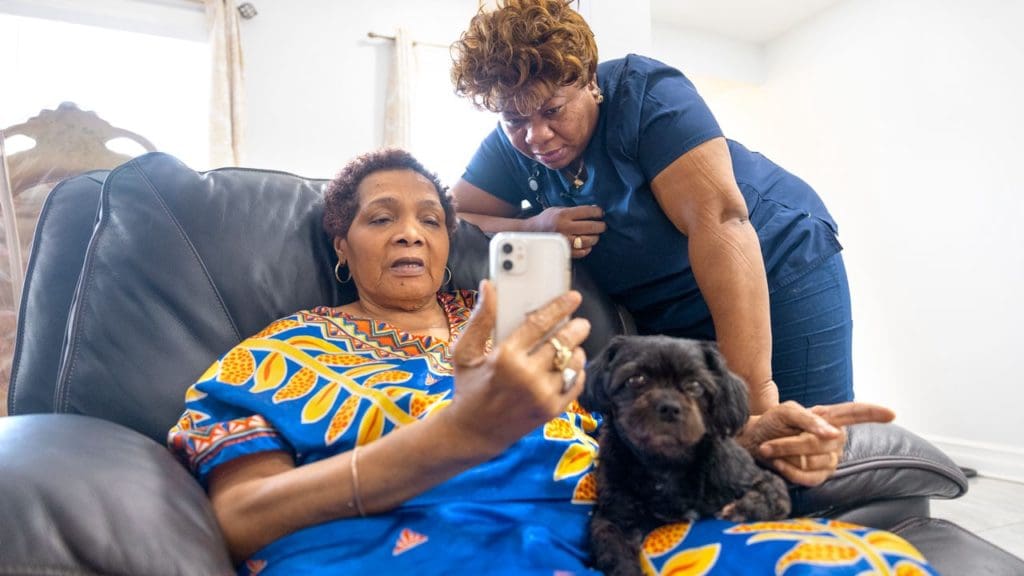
(415, 42)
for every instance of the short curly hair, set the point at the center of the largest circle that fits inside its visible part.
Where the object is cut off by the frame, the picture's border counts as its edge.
(514, 57)
(341, 198)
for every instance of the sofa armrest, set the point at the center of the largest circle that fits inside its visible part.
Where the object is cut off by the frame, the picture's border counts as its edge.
(882, 465)
(81, 495)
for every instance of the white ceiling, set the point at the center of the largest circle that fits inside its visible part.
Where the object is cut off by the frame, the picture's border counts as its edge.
(756, 21)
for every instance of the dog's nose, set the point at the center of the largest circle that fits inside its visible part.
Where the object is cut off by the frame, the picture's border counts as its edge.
(669, 410)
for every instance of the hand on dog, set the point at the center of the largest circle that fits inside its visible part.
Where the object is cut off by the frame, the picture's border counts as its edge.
(503, 394)
(805, 445)
(767, 499)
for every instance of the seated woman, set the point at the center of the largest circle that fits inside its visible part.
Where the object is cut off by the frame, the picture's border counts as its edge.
(360, 439)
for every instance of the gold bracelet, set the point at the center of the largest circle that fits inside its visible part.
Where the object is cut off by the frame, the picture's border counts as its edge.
(354, 467)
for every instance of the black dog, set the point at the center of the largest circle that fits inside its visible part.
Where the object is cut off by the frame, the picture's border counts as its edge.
(668, 450)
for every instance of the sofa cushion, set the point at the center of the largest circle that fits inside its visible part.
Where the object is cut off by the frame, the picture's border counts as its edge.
(85, 496)
(182, 266)
(68, 217)
(882, 462)
(952, 550)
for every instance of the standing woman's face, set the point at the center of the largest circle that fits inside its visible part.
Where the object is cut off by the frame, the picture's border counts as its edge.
(558, 132)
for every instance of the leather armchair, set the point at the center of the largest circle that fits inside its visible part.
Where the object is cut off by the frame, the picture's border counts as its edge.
(142, 276)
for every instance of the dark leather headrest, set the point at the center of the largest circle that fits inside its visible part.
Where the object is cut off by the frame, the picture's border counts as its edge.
(181, 267)
(58, 250)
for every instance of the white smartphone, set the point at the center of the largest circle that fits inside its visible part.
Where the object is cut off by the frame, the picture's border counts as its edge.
(528, 269)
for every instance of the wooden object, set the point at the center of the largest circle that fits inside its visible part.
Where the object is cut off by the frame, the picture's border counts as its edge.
(68, 141)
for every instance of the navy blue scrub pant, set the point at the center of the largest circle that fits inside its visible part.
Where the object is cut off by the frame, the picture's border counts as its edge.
(812, 337)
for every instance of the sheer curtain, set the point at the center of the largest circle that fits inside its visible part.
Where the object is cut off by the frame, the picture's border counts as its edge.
(8, 317)
(10, 225)
(227, 89)
(398, 102)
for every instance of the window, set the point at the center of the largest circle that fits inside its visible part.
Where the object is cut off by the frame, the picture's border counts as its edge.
(446, 129)
(156, 86)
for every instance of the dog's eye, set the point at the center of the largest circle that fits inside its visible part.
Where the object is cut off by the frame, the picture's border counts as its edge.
(636, 380)
(693, 388)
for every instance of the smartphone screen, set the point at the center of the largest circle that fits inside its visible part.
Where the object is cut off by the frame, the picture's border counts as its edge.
(528, 270)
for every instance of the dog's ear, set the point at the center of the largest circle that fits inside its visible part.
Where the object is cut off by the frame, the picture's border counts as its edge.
(595, 396)
(729, 407)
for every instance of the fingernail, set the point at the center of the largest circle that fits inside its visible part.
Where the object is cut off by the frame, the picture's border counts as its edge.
(825, 427)
(765, 450)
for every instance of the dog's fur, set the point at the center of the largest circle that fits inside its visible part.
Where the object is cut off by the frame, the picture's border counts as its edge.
(668, 450)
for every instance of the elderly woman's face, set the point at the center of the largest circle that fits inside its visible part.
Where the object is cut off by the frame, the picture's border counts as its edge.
(397, 245)
(559, 131)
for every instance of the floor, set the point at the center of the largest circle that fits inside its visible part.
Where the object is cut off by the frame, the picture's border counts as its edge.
(993, 509)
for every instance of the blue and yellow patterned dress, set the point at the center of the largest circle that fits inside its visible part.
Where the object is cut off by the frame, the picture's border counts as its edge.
(319, 382)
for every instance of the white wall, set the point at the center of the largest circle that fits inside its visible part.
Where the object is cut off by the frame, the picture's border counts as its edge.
(316, 83)
(703, 54)
(619, 28)
(906, 116)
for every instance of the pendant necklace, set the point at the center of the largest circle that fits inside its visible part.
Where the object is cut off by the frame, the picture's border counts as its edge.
(577, 182)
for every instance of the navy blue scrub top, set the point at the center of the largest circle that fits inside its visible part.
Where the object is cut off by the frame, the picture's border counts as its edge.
(652, 115)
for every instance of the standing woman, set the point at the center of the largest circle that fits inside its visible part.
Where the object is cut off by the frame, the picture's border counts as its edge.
(694, 234)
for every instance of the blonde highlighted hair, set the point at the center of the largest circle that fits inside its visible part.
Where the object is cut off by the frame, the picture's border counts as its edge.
(513, 58)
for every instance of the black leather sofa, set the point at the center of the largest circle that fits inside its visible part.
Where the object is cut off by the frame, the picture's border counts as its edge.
(141, 276)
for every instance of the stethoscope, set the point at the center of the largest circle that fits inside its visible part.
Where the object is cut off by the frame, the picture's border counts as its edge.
(533, 183)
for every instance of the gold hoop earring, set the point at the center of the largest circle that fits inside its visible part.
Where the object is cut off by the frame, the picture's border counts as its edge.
(447, 271)
(338, 276)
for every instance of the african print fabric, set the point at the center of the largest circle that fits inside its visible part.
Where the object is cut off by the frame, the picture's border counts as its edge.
(319, 382)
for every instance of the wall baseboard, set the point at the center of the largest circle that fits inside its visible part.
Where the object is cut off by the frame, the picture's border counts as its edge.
(990, 460)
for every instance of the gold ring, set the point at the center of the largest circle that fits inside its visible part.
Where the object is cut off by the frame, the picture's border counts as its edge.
(803, 462)
(577, 243)
(833, 459)
(563, 354)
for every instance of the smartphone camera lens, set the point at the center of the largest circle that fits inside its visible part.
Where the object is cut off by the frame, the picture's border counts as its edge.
(507, 264)
(507, 249)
